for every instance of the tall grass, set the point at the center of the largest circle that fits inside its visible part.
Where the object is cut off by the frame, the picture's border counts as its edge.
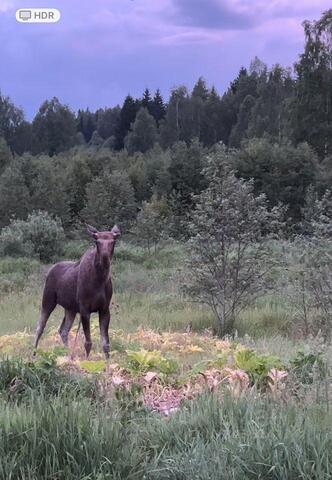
(209, 439)
(147, 292)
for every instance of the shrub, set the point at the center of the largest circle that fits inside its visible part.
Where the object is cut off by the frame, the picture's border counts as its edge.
(39, 235)
(230, 257)
(20, 379)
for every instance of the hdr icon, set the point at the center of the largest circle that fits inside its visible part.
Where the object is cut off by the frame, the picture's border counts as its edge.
(37, 15)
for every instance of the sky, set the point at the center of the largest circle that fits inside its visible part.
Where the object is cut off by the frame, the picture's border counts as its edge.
(101, 50)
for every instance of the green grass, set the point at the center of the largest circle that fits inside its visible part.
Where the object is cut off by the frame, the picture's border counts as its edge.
(57, 425)
(232, 439)
(146, 293)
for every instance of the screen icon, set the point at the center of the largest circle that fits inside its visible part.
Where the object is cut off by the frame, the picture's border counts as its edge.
(25, 15)
(38, 15)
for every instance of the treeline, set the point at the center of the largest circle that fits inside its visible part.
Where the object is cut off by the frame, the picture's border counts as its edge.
(101, 166)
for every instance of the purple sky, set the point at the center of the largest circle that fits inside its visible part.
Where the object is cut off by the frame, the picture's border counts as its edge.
(103, 49)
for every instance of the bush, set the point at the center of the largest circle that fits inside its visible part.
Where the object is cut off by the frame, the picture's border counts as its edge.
(39, 235)
(21, 380)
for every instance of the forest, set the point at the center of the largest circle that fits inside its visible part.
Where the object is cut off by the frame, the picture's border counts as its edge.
(275, 122)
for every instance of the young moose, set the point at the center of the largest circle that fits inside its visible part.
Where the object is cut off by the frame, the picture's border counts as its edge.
(82, 287)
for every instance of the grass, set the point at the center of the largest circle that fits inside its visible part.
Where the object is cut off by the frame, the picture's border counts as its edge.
(232, 439)
(146, 293)
(65, 422)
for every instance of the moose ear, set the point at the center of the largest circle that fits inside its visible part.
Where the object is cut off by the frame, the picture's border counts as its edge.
(92, 231)
(116, 232)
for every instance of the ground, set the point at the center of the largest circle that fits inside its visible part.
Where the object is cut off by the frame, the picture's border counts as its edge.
(174, 401)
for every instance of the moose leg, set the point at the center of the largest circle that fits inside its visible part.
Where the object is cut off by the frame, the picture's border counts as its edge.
(44, 316)
(66, 325)
(104, 321)
(85, 318)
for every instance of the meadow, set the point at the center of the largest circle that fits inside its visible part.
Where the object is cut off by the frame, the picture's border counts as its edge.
(174, 402)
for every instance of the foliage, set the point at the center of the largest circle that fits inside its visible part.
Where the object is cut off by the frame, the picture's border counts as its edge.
(53, 128)
(22, 379)
(93, 366)
(40, 235)
(306, 364)
(143, 133)
(230, 256)
(281, 171)
(256, 365)
(152, 222)
(110, 200)
(14, 194)
(143, 361)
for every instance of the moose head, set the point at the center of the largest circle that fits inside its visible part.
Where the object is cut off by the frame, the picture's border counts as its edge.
(105, 241)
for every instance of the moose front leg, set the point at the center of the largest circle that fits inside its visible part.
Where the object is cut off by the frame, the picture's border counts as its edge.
(85, 318)
(104, 321)
(66, 325)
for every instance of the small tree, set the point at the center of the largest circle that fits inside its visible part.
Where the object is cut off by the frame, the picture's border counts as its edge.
(315, 260)
(151, 223)
(229, 250)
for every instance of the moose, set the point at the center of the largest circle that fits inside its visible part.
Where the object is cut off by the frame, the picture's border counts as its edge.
(82, 287)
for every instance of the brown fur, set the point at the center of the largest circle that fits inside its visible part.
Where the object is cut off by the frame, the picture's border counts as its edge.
(82, 287)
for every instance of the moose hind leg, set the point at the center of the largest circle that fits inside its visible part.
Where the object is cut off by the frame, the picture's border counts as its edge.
(104, 321)
(66, 325)
(44, 316)
(85, 318)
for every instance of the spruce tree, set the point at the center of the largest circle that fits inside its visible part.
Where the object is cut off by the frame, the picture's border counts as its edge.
(158, 108)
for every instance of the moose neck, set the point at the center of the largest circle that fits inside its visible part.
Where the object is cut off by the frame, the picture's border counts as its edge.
(103, 266)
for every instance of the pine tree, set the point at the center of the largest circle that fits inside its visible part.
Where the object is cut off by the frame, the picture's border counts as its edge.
(158, 108)
(86, 123)
(147, 100)
(127, 117)
(213, 129)
(199, 98)
(239, 130)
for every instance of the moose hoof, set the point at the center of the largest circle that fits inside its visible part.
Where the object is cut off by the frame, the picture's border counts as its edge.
(88, 346)
(107, 351)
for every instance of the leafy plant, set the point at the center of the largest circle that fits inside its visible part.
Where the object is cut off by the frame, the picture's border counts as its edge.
(306, 364)
(93, 366)
(256, 365)
(143, 360)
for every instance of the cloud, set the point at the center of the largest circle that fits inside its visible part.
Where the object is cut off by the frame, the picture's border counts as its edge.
(242, 14)
(212, 14)
(101, 50)
(6, 5)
